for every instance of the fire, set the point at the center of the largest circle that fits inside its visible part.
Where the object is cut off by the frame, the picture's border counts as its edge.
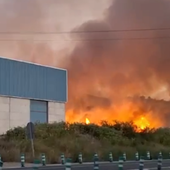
(87, 121)
(123, 112)
(142, 123)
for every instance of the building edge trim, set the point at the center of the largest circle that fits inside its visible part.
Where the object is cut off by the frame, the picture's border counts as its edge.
(37, 64)
(29, 98)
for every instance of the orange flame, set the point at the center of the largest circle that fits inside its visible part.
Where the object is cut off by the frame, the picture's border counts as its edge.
(125, 112)
(142, 123)
(87, 121)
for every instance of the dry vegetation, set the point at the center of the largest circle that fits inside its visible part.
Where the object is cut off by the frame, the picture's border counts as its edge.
(70, 139)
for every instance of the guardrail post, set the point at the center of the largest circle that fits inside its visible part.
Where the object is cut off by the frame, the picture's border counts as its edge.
(43, 159)
(159, 162)
(36, 164)
(124, 156)
(148, 155)
(141, 163)
(96, 157)
(110, 157)
(96, 163)
(120, 165)
(1, 164)
(160, 154)
(22, 158)
(68, 164)
(80, 158)
(136, 156)
(62, 159)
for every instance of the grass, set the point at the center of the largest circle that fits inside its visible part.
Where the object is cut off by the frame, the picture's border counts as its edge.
(71, 139)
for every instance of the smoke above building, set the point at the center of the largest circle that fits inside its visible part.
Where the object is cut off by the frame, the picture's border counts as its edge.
(108, 71)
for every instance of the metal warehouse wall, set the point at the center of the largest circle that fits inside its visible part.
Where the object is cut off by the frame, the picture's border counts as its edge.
(21, 79)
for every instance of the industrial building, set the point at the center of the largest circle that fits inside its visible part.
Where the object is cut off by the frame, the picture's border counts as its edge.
(30, 92)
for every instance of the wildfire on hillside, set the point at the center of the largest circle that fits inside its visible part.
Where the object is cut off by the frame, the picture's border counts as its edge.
(106, 63)
(127, 111)
(141, 123)
(136, 111)
(115, 68)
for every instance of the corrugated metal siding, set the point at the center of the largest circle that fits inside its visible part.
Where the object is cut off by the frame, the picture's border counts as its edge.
(32, 81)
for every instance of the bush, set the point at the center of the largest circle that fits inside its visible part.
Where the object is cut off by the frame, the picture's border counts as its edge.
(70, 139)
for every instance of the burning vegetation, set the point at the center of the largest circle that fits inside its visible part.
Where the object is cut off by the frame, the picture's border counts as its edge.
(116, 73)
(140, 115)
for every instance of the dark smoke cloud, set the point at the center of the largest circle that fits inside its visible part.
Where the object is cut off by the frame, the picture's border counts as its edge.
(117, 69)
(111, 69)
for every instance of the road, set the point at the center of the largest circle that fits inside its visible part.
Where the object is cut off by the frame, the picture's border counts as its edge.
(151, 165)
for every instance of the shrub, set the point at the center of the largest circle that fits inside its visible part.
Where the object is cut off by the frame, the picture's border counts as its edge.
(70, 139)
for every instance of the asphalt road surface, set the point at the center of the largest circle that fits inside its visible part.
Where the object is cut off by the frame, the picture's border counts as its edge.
(150, 165)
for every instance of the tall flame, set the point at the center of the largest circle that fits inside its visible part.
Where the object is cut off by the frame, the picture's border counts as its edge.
(87, 121)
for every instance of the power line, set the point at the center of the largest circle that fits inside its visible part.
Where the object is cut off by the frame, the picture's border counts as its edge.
(89, 31)
(84, 40)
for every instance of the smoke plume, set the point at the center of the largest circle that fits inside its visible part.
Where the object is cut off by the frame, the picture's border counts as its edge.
(107, 71)
(104, 65)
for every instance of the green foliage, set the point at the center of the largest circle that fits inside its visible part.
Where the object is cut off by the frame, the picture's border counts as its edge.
(57, 138)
